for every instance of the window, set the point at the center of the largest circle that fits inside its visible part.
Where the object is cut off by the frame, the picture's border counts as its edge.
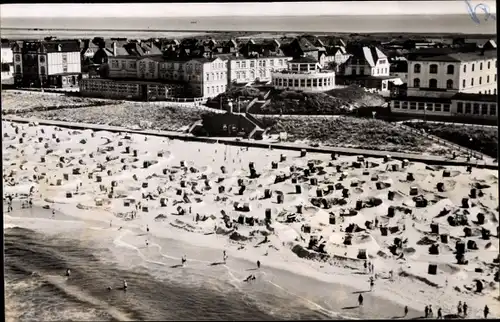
(416, 82)
(473, 65)
(430, 107)
(449, 84)
(480, 66)
(413, 105)
(446, 107)
(468, 108)
(476, 108)
(484, 109)
(472, 82)
(495, 77)
(495, 91)
(42, 70)
(18, 69)
(271, 62)
(405, 105)
(460, 107)
(362, 70)
(18, 58)
(252, 64)
(463, 83)
(437, 107)
(487, 79)
(42, 59)
(114, 64)
(480, 80)
(450, 69)
(433, 69)
(465, 68)
(420, 106)
(416, 68)
(65, 69)
(489, 65)
(433, 83)
(396, 104)
(493, 109)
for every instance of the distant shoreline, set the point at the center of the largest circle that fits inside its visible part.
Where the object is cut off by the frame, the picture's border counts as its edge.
(243, 31)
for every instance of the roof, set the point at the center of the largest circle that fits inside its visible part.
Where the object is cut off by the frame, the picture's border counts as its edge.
(66, 46)
(475, 97)
(303, 60)
(305, 45)
(365, 77)
(370, 54)
(399, 67)
(460, 57)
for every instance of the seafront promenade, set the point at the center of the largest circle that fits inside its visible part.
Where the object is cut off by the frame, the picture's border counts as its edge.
(429, 159)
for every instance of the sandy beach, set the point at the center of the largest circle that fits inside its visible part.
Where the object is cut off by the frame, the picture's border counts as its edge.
(140, 198)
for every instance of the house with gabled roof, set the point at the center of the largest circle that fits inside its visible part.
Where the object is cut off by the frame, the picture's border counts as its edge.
(47, 63)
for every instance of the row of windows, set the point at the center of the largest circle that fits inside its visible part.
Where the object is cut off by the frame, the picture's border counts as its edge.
(433, 69)
(464, 83)
(450, 69)
(261, 63)
(462, 108)
(449, 83)
(216, 76)
(215, 89)
(283, 82)
(489, 92)
(362, 71)
(431, 107)
(433, 83)
(476, 109)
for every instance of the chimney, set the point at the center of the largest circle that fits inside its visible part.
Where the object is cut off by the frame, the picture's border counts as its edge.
(114, 48)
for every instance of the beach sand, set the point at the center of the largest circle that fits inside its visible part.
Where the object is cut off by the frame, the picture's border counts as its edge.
(328, 286)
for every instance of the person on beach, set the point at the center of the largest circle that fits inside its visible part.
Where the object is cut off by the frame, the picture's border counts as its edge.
(465, 309)
(109, 288)
(372, 283)
(406, 310)
(258, 264)
(426, 312)
(147, 243)
(68, 272)
(365, 265)
(430, 311)
(486, 311)
(224, 256)
(53, 213)
(360, 300)
(440, 313)
(459, 308)
(147, 228)
(125, 285)
(183, 260)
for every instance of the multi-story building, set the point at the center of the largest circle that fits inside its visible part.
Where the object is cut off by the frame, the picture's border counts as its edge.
(7, 63)
(445, 75)
(47, 63)
(246, 70)
(304, 74)
(200, 77)
(454, 84)
(369, 67)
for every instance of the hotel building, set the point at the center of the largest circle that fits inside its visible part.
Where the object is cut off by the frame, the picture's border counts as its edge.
(457, 84)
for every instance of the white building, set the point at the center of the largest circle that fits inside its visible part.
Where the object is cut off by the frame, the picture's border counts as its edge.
(478, 106)
(246, 70)
(203, 77)
(446, 75)
(367, 61)
(304, 74)
(7, 64)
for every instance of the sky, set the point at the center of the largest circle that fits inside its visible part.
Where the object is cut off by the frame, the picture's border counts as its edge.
(240, 9)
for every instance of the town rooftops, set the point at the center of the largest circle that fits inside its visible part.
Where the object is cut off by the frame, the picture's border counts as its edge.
(63, 45)
(475, 97)
(459, 57)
